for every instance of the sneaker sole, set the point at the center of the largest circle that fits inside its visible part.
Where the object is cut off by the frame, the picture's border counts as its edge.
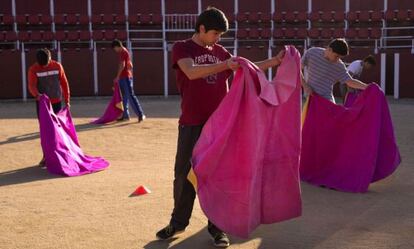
(220, 245)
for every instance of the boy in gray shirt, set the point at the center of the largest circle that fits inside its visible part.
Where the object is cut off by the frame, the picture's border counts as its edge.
(324, 68)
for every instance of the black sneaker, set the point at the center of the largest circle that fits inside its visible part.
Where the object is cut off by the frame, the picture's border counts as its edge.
(123, 119)
(168, 232)
(220, 239)
(141, 118)
(42, 163)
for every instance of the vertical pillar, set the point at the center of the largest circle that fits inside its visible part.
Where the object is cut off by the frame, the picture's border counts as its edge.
(52, 14)
(95, 70)
(14, 14)
(24, 79)
(269, 52)
(90, 14)
(126, 12)
(383, 70)
(396, 76)
(164, 49)
(236, 27)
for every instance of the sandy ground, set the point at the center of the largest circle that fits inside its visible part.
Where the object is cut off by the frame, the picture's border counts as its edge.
(40, 210)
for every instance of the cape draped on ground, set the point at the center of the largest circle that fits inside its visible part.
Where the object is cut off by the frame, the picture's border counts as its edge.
(114, 109)
(62, 152)
(348, 147)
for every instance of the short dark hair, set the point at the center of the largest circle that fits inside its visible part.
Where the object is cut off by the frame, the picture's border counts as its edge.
(370, 60)
(212, 19)
(42, 56)
(339, 46)
(116, 43)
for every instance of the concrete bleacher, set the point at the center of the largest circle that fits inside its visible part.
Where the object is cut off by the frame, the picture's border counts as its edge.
(40, 23)
(83, 29)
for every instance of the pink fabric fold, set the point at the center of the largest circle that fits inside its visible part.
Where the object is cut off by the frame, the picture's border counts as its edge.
(60, 144)
(348, 147)
(246, 160)
(114, 109)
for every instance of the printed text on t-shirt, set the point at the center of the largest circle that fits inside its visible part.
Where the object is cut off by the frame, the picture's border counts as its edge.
(202, 59)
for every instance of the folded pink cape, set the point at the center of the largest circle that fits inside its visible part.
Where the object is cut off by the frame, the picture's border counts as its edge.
(247, 157)
(348, 147)
(60, 144)
(114, 109)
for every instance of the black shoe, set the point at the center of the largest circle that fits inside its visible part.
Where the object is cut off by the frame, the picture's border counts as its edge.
(123, 119)
(141, 118)
(168, 232)
(220, 239)
(42, 163)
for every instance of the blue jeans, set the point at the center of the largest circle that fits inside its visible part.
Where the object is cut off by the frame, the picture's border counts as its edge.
(128, 94)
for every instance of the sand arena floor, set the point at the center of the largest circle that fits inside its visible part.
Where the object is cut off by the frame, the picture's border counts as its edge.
(40, 210)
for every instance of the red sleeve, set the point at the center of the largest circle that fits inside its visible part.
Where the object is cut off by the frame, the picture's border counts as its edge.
(32, 82)
(179, 51)
(227, 54)
(64, 84)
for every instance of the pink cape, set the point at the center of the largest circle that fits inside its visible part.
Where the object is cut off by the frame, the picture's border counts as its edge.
(114, 109)
(247, 158)
(60, 144)
(348, 147)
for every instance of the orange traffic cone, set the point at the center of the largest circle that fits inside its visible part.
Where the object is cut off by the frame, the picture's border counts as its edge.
(141, 190)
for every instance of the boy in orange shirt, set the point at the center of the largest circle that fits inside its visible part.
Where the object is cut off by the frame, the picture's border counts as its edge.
(47, 76)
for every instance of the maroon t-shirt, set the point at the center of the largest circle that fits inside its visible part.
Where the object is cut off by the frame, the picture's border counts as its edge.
(200, 97)
(124, 57)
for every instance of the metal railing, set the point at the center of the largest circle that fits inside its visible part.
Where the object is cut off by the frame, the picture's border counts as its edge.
(180, 22)
(388, 40)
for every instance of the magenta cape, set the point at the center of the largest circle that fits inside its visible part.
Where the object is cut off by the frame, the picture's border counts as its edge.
(348, 147)
(114, 109)
(60, 144)
(246, 161)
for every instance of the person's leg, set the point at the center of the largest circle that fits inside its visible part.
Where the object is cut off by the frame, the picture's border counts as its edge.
(123, 85)
(37, 109)
(57, 107)
(220, 239)
(134, 100)
(184, 193)
(42, 162)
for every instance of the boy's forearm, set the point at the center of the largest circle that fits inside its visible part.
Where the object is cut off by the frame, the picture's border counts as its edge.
(201, 71)
(265, 64)
(356, 84)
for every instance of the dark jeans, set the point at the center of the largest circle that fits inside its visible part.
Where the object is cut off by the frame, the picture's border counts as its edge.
(184, 193)
(56, 107)
(128, 94)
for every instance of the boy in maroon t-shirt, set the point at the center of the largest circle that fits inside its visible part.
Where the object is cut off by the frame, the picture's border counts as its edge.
(202, 70)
